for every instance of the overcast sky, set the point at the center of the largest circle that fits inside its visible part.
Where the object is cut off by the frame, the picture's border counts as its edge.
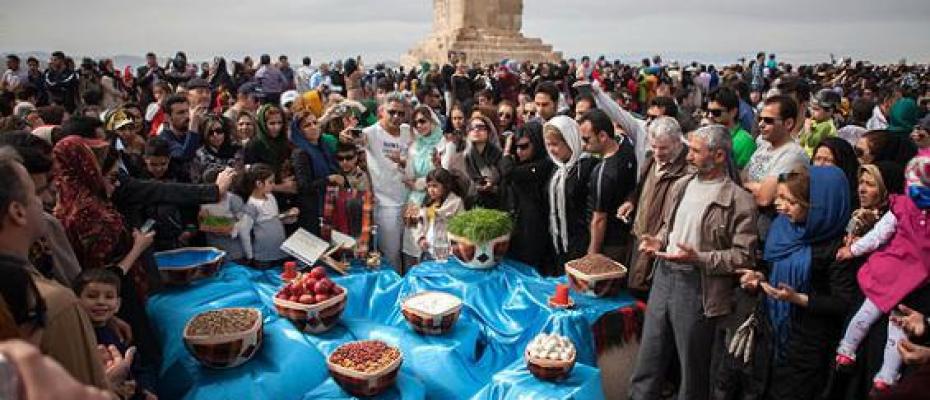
(802, 30)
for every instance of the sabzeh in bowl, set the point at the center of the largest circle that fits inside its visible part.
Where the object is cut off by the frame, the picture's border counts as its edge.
(480, 237)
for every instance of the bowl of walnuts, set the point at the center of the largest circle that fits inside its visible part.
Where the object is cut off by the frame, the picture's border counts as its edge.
(595, 275)
(224, 338)
(365, 368)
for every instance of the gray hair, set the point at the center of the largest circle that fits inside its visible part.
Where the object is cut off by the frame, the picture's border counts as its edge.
(396, 96)
(665, 127)
(715, 136)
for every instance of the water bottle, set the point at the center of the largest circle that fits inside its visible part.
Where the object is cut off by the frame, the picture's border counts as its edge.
(441, 245)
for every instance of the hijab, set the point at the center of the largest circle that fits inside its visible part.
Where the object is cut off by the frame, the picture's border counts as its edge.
(422, 157)
(558, 224)
(484, 163)
(322, 161)
(276, 148)
(903, 115)
(844, 156)
(896, 147)
(532, 130)
(788, 245)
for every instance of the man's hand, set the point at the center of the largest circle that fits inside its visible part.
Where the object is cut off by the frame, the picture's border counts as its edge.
(336, 180)
(225, 179)
(623, 213)
(912, 322)
(750, 279)
(650, 245)
(784, 293)
(288, 185)
(844, 254)
(913, 354)
(685, 255)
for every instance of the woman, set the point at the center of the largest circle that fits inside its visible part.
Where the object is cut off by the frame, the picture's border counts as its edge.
(270, 145)
(245, 128)
(314, 169)
(903, 116)
(808, 293)
(339, 124)
(219, 150)
(875, 146)
(834, 151)
(219, 77)
(483, 161)
(526, 199)
(506, 121)
(419, 164)
(113, 94)
(567, 191)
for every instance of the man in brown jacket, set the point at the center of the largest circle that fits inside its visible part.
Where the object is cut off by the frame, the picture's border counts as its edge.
(646, 203)
(708, 231)
(65, 333)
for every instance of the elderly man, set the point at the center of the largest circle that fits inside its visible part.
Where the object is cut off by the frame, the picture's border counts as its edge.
(708, 231)
(646, 203)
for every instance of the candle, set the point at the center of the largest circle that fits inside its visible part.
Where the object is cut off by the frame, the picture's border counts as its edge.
(561, 294)
(290, 271)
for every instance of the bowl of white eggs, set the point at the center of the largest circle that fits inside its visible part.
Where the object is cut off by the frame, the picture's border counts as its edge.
(550, 357)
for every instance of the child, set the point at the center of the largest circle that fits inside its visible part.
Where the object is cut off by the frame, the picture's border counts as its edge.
(261, 230)
(899, 265)
(443, 200)
(820, 125)
(175, 227)
(348, 208)
(98, 290)
(229, 208)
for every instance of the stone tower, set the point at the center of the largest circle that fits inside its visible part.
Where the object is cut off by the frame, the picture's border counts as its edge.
(479, 30)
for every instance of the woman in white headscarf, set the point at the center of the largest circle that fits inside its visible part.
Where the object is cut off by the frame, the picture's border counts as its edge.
(568, 190)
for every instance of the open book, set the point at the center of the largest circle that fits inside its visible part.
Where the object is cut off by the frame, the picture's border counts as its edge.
(309, 248)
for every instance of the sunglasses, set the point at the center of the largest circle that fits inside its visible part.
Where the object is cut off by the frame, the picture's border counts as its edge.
(345, 158)
(396, 113)
(522, 146)
(859, 152)
(504, 115)
(768, 120)
(422, 121)
(479, 127)
(715, 112)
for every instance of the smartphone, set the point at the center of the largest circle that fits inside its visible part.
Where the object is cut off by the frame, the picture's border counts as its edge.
(356, 132)
(147, 226)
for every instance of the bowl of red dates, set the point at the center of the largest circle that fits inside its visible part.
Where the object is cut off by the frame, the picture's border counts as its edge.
(311, 301)
(595, 275)
(365, 368)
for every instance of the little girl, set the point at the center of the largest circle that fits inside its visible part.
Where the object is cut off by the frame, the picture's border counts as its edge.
(443, 200)
(228, 209)
(900, 265)
(261, 228)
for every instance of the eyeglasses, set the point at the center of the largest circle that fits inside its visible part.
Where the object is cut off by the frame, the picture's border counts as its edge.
(522, 146)
(478, 127)
(768, 120)
(396, 113)
(504, 115)
(715, 112)
(342, 158)
(422, 121)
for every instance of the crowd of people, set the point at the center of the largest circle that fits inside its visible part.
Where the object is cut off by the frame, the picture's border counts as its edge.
(774, 217)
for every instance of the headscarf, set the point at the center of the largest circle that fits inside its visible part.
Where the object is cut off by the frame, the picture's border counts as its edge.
(844, 156)
(897, 147)
(903, 115)
(532, 130)
(94, 227)
(917, 176)
(277, 147)
(788, 245)
(422, 158)
(485, 163)
(558, 225)
(321, 159)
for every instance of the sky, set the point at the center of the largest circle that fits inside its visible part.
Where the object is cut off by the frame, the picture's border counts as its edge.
(707, 30)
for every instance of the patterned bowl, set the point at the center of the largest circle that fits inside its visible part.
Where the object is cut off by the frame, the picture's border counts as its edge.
(185, 265)
(226, 350)
(432, 322)
(549, 370)
(313, 318)
(483, 255)
(600, 285)
(365, 384)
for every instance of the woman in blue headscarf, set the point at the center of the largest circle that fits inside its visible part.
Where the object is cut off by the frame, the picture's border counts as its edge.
(420, 161)
(808, 293)
(314, 169)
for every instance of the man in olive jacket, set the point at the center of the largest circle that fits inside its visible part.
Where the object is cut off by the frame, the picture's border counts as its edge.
(708, 231)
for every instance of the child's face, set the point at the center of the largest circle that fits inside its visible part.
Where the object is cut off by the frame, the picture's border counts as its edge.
(157, 165)
(264, 187)
(347, 161)
(100, 301)
(820, 114)
(435, 190)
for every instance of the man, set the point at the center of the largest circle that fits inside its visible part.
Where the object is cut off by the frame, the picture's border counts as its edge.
(758, 73)
(65, 332)
(723, 109)
(885, 99)
(181, 134)
(61, 82)
(385, 145)
(303, 75)
(248, 98)
(198, 93)
(14, 76)
(583, 104)
(37, 80)
(777, 153)
(429, 95)
(147, 75)
(546, 98)
(271, 80)
(645, 204)
(612, 180)
(287, 71)
(707, 232)
(321, 77)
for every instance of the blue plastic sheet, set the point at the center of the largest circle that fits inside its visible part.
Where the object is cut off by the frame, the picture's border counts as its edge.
(504, 308)
(517, 383)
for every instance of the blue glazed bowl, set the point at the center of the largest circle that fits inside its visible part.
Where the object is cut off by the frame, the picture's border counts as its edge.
(182, 266)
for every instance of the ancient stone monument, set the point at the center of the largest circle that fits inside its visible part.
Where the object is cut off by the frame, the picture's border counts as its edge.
(479, 30)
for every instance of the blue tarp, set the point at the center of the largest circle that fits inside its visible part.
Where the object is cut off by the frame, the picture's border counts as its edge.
(482, 357)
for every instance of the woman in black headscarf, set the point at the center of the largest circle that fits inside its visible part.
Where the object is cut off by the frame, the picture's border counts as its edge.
(838, 152)
(526, 184)
(219, 77)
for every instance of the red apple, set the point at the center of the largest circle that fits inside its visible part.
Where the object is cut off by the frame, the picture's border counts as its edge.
(293, 299)
(306, 299)
(318, 272)
(337, 290)
(281, 295)
(320, 297)
(322, 287)
(309, 284)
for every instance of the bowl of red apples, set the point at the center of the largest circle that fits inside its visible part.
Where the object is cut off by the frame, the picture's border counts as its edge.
(311, 301)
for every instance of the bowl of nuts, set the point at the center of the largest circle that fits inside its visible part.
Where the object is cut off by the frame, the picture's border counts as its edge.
(550, 357)
(365, 368)
(432, 313)
(311, 301)
(595, 275)
(224, 338)
(185, 265)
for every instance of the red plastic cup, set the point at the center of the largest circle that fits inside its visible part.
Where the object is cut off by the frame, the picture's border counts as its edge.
(561, 294)
(290, 270)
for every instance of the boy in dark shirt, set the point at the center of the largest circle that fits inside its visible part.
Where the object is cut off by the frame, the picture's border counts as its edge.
(175, 227)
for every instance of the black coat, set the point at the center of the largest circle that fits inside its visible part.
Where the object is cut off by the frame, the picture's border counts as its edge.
(526, 201)
(310, 192)
(577, 211)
